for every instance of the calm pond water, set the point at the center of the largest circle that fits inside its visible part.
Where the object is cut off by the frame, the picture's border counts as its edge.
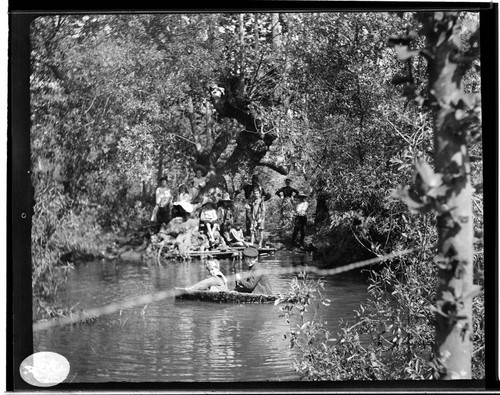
(177, 340)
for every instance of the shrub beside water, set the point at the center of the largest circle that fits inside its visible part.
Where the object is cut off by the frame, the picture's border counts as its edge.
(392, 336)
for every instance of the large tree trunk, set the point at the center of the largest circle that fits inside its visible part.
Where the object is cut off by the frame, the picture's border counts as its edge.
(161, 155)
(256, 32)
(241, 26)
(233, 99)
(453, 344)
(276, 31)
(253, 142)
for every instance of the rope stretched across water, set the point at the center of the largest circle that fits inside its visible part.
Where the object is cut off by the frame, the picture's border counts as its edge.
(160, 295)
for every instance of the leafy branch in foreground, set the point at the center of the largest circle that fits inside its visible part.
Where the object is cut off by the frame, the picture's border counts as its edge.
(391, 337)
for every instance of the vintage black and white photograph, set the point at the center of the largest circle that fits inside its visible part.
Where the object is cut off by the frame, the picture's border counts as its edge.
(256, 196)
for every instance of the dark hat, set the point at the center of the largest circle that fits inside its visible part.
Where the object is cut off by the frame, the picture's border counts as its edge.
(250, 252)
(288, 180)
(207, 201)
(201, 168)
(163, 178)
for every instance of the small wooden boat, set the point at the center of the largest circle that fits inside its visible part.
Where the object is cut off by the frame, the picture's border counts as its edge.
(228, 296)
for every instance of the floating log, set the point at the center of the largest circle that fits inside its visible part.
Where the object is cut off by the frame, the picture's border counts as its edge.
(229, 296)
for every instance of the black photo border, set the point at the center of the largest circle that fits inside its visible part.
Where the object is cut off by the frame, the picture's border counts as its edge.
(19, 336)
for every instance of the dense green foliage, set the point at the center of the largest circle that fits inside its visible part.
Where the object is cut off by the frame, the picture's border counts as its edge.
(118, 100)
(391, 337)
(394, 336)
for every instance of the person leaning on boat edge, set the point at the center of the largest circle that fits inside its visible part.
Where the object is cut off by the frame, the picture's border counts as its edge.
(252, 280)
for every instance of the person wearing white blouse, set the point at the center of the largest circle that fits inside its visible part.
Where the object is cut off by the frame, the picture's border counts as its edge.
(163, 202)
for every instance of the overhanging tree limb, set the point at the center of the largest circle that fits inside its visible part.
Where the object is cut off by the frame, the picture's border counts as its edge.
(274, 166)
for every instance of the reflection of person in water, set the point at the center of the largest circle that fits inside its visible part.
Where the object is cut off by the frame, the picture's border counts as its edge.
(252, 280)
(216, 282)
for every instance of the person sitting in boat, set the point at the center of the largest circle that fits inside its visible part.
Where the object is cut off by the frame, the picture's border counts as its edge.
(183, 206)
(236, 238)
(253, 279)
(225, 216)
(216, 282)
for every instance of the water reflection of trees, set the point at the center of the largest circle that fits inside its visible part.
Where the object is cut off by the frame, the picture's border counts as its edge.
(176, 340)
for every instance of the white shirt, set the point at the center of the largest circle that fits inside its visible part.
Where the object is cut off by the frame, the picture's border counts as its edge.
(208, 215)
(163, 196)
(302, 208)
(199, 183)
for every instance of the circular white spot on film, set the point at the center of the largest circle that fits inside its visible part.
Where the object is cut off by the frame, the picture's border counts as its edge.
(44, 369)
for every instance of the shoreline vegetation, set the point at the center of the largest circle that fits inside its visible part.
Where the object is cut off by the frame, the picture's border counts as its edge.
(385, 143)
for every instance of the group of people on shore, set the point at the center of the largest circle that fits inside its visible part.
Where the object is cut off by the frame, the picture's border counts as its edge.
(217, 222)
(217, 219)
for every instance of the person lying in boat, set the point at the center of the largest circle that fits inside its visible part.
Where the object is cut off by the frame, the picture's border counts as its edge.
(251, 280)
(216, 282)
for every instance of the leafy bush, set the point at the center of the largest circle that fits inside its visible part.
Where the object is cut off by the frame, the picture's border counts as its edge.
(48, 274)
(392, 336)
